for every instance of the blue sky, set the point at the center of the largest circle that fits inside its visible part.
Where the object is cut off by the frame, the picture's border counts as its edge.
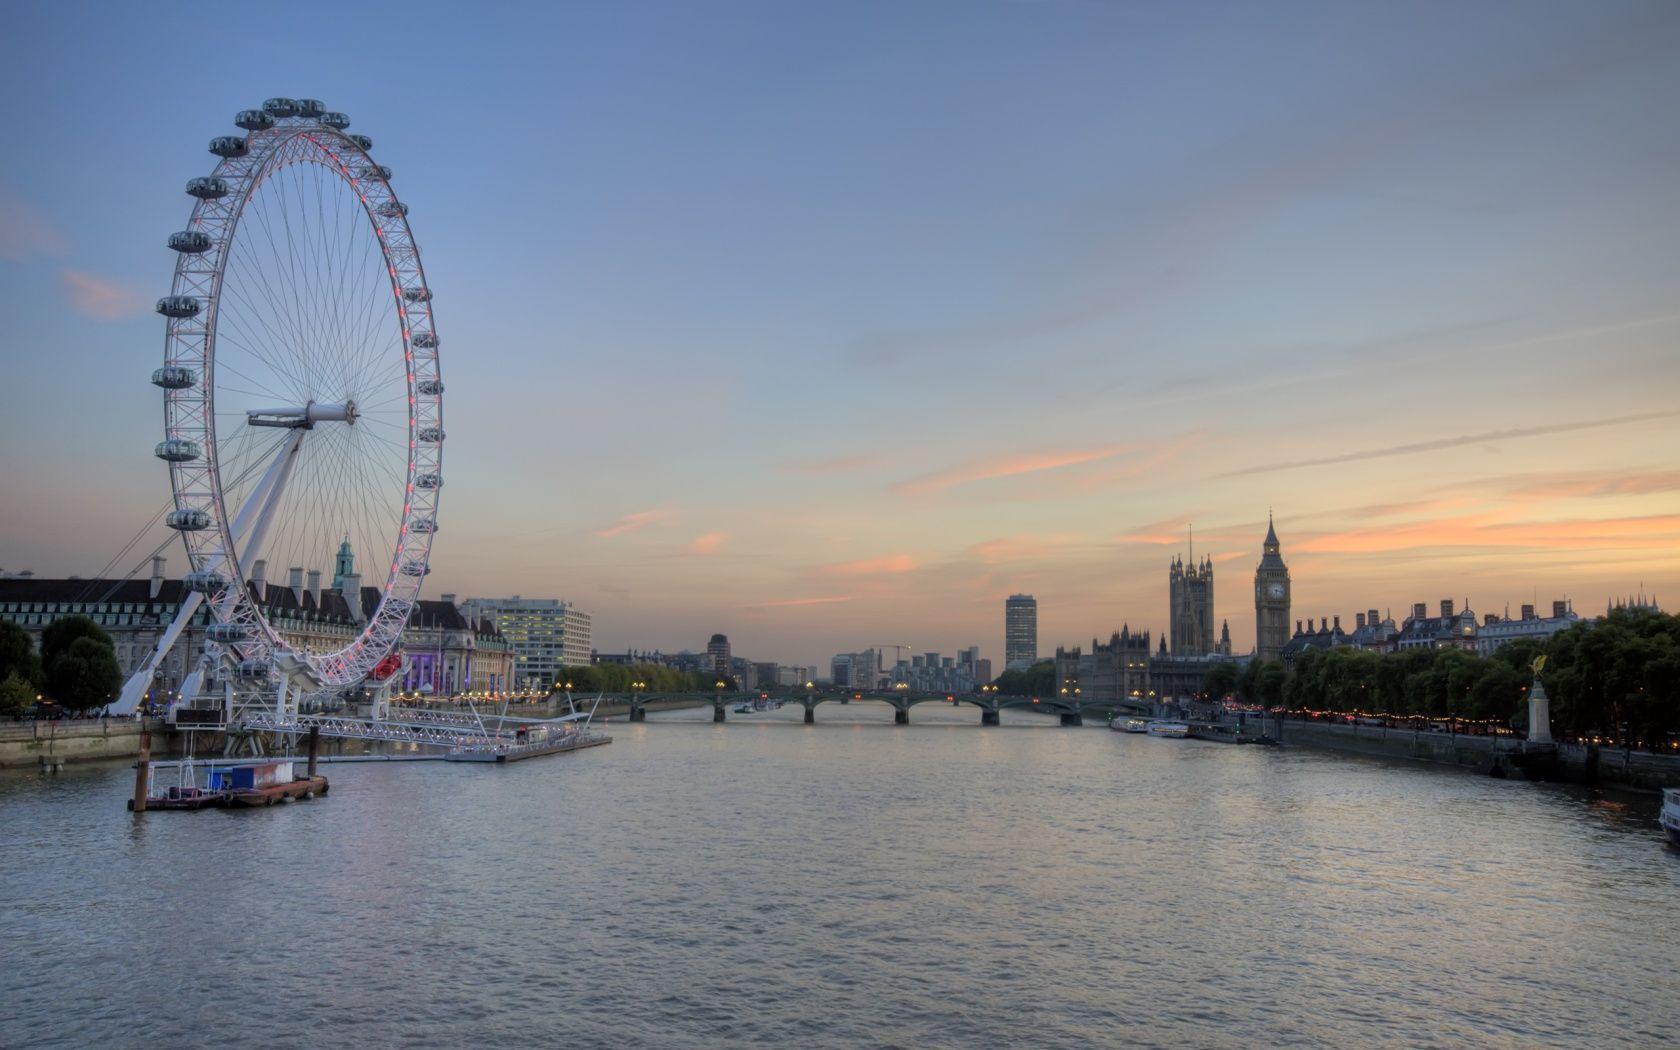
(827, 325)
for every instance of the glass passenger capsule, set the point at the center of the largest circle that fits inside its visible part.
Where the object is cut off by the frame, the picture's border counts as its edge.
(252, 669)
(429, 482)
(431, 435)
(227, 632)
(176, 450)
(429, 387)
(190, 242)
(415, 568)
(188, 519)
(207, 187)
(253, 120)
(425, 340)
(376, 171)
(228, 146)
(174, 377)
(418, 295)
(361, 140)
(392, 209)
(204, 582)
(335, 120)
(424, 526)
(309, 107)
(280, 107)
(178, 306)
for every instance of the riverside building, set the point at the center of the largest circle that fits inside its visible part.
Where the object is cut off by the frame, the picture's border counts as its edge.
(545, 635)
(1020, 632)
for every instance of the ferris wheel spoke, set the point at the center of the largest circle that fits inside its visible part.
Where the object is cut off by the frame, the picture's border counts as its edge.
(262, 340)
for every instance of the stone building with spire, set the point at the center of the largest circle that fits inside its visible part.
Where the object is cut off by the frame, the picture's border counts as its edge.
(1271, 598)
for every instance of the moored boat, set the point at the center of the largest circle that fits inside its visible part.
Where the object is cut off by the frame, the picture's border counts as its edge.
(1175, 730)
(1129, 724)
(1670, 816)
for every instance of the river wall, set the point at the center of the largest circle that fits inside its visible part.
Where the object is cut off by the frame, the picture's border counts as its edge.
(1582, 763)
(27, 744)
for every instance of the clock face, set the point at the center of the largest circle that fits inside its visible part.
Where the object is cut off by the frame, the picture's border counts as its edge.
(1274, 590)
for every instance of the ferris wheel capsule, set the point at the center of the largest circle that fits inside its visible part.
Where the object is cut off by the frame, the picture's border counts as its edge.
(425, 340)
(178, 306)
(249, 669)
(202, 581)
(225, 633)
(418, 295)
(376, 171)
(280, 108)
(174, 377)
(187, 519)
(429, 482)
(431, 435)
(190, 242)
(253, 120)
(335, 120)
(430, 388)
(309, 107)
(423, 526)
(228, 146)
(392, 209)
(207, 188)
(363, 141)
(177, 450)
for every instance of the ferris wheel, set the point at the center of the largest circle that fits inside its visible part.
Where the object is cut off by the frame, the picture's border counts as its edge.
(303, 405)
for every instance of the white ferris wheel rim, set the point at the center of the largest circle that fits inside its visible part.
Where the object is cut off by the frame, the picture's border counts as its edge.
(190, 410)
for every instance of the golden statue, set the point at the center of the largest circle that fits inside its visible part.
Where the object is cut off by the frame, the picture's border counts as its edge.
(1538, 665)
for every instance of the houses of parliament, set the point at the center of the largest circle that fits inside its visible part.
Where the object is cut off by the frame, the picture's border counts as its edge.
(1126, 666)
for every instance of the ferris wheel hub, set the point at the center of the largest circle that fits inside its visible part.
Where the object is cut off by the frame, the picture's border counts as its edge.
(302, 417)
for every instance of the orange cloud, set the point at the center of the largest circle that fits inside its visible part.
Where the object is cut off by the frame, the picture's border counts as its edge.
(709, 543)
(1576, 534)
(1591, 484)
(1005, 467)
(641, 519)
(100, 298)
(883, 566)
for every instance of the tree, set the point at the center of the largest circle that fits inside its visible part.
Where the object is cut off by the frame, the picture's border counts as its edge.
(1221, 680)
(61, 634)
(1037, 680)
(15, 695)
(17, 654)
(85, 675)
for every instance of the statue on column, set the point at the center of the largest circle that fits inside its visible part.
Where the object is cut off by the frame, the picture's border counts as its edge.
(1539, 707)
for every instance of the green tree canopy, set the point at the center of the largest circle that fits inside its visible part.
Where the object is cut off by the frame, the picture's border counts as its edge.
(1037, 680)
(15, 695)
(17, 655)
(61, 634)
(85, 675)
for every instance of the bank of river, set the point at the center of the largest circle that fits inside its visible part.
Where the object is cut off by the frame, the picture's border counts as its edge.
(848, 883)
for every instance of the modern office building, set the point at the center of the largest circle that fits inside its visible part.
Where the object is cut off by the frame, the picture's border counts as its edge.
(1020, 631)
(717, 650)
(544, 634)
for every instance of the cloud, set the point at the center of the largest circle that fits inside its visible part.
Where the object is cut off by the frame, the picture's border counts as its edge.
(26, 232)
(1570, 534)
(100, 298)
(708, 543)
(1460, 441)
(1004, 467)
(1164, 532)
(1588, 484)
(788, 603)
(883, 566)
(641, 519)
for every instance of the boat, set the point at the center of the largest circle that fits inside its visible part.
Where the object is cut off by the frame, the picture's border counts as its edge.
(1130, 724)
(743, 708)
(1670, 816)
(1175, 730)
(230, 785)
(531, 737)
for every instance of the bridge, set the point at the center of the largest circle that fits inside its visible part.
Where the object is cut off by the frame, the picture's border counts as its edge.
(1072, 709)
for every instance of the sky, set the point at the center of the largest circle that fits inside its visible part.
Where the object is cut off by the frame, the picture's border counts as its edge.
(832, 325)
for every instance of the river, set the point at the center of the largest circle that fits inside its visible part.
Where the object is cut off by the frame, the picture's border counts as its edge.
(850, 883)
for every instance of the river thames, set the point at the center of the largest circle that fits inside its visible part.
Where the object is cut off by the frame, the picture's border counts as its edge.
(849, 883)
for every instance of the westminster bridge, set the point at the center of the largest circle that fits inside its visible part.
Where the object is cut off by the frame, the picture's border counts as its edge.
(1072, 710)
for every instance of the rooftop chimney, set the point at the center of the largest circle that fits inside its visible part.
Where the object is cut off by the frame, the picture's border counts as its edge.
(1338, 623)
(1297, 626)
(1528, 612)
(157, 576)
(1371, 617)
(1488, 618)
(450, 598)
(1446, 608)
(315, 586)
(1560, 609)
(1358, 620)
(294, 580)
(1419, 610)
(259, 573)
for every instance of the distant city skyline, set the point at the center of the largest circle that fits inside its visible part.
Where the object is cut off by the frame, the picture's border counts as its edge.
(814, 327)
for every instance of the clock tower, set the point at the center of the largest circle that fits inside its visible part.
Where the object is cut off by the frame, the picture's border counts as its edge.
(1271, 599)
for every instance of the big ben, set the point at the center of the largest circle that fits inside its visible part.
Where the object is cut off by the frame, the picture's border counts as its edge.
(1271, 599)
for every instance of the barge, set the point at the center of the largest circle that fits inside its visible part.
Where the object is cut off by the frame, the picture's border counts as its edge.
(229, 785)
